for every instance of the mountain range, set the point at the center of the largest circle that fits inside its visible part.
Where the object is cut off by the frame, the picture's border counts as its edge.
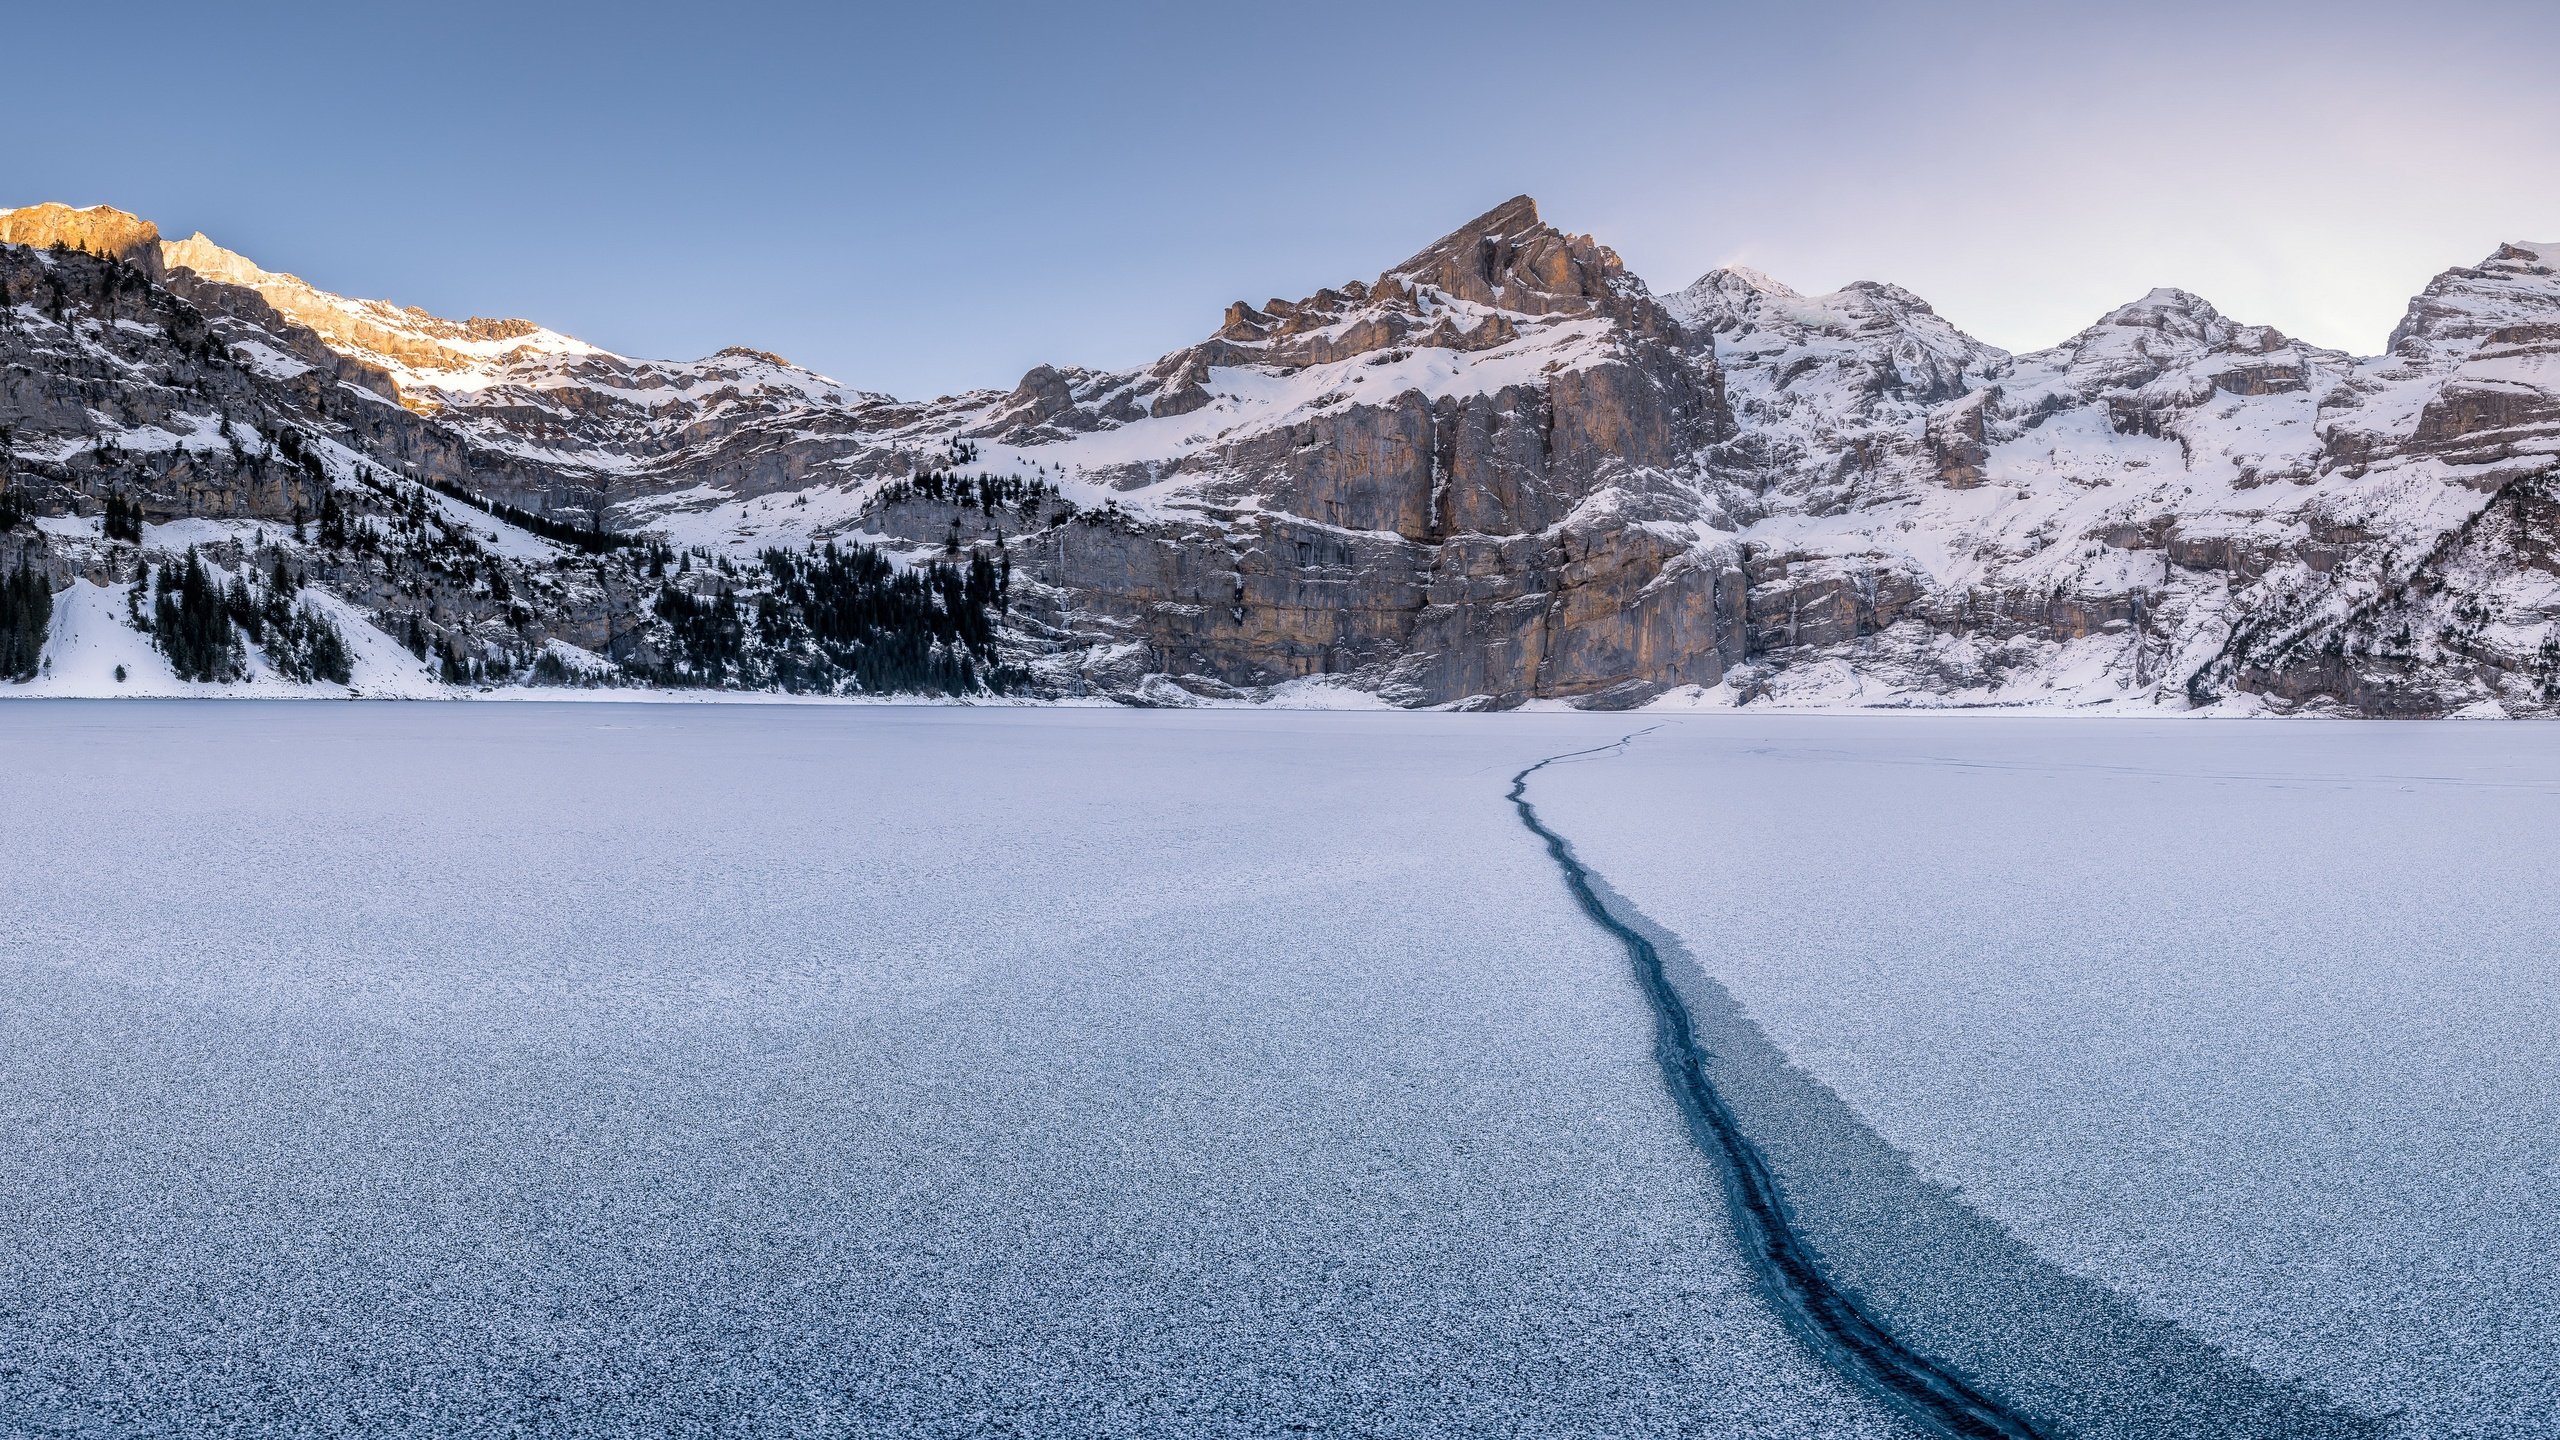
(1503, 471)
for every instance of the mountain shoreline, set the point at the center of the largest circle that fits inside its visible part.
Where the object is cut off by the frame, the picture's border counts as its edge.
(1504, 473)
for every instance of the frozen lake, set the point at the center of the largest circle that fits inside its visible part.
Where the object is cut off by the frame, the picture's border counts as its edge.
(433, 1069)
(651, 1070)
(2256, 1023)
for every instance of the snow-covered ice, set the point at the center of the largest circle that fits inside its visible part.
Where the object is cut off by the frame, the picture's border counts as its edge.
(2254, 1024)
(815, 1070)
(435, 1070)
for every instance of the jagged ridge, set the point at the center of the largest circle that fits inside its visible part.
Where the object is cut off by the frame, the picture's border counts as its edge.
(1503, 470)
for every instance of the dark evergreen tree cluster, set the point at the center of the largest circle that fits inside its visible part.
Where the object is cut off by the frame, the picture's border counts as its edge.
(587, 537)
(201, 622)
(706, 634)
(192, 618)
(124, 519)
(982, 493)
(333, 522)
(407, 524)
(26, 611)
(312, 648)
(550, 669)
(12, 514)
(839, 619)
(302, 643)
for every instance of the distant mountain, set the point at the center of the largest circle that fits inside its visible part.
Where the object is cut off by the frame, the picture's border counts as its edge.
(1502, 471)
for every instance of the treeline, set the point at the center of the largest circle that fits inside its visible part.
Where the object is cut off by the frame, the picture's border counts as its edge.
(589, 538)
(838, 620)
(984, 493)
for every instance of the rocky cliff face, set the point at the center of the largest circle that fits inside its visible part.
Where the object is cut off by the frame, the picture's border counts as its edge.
(1504, 470)
(113, 387)
(1472, 477)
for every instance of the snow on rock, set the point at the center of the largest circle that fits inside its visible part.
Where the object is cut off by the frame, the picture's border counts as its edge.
(1503, 472)
(421, 351)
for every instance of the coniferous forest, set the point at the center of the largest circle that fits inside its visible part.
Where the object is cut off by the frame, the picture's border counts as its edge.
(204, 625)
(192, 624)
(835, 620)
(26, 610)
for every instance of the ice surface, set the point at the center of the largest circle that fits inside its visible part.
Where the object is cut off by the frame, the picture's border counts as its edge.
(2254, 1023)
(436, 1070)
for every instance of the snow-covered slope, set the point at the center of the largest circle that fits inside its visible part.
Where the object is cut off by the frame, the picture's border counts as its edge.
(94, 650)
(1504, 471)
(519, 389)
(429, 357)
(2117, 519)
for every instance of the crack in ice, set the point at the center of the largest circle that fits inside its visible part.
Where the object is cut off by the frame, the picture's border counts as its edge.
(1826, 1318)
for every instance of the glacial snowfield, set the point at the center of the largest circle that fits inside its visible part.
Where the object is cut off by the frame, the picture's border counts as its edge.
(705, 1070)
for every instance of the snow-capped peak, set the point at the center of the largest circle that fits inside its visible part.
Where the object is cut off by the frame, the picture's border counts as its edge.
(427, 356)
(2517, 286)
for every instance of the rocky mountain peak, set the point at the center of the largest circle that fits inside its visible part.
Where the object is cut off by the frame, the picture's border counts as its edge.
(2136, 343)
(2166, 309)
(1476, 288)
(426, 356)
(2463, 307)
(98, 230)
(1727, 299)
(1509, 259)
(1847, 350)
(1736, 298)
(335, 315)
(198, 253)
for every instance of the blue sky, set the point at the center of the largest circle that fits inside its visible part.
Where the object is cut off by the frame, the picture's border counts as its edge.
(920, 198)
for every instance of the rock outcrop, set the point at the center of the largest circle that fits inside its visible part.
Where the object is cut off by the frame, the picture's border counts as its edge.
(98, 230)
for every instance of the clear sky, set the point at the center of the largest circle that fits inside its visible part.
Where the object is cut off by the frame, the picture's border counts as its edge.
(923, 197)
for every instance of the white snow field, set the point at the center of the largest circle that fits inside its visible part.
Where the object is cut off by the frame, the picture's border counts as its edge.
(2255, 1023)
(390, 1070)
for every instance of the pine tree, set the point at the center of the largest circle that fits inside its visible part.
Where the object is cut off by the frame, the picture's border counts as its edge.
(326, 649)
(124, 518)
